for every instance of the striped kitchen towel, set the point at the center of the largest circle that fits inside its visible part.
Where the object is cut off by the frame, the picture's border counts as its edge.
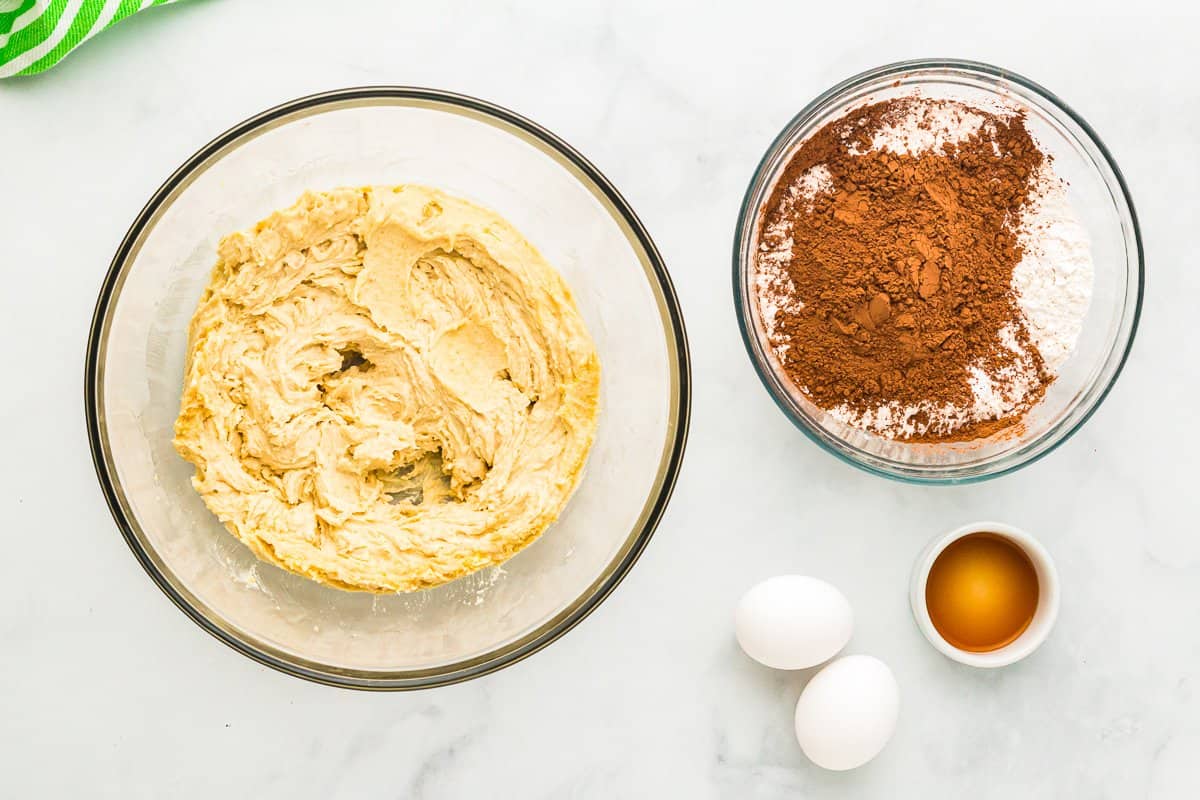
(36, 34)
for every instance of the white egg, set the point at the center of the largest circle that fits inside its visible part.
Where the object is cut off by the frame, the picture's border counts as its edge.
(793, 622)
(847, 712)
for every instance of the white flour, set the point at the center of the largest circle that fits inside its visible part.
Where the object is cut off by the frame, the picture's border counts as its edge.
(997, 394)
(1052, 282)
(771, 282)
(930, 126)
(814, 181)
(772, 286)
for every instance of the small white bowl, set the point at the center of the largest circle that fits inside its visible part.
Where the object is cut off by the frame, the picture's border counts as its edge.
(1043, 617)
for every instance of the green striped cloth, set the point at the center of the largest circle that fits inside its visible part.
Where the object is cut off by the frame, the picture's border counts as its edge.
(36, 34)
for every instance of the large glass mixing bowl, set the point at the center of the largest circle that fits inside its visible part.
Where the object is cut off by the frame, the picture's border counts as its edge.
(1099, 197)
(388, 135)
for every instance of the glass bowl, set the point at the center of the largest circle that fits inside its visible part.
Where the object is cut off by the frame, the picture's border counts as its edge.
(388, 135)
(1101, 200)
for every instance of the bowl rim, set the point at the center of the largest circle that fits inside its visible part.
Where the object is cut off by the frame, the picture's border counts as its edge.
(679, 411)
(1030, 639)
(747, 216)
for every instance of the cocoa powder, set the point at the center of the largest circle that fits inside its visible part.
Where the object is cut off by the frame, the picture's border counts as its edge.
(891, 273)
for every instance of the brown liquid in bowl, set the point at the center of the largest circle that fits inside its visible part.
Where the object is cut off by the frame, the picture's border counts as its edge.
(982, 592)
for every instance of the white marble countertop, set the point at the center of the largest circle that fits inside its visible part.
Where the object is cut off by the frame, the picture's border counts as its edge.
(106, 690)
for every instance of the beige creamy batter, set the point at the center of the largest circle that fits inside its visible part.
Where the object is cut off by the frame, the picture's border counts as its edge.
(386, 388)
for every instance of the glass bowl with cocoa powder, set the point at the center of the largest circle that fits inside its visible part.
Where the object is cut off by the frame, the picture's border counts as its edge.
(938, 271)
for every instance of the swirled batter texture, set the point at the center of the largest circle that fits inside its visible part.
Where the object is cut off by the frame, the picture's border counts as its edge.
(387, 388)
